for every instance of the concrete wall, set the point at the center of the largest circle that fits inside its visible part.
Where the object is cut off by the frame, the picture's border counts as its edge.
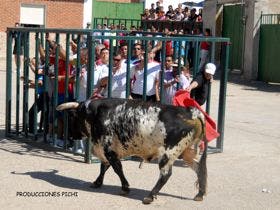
(253, 11)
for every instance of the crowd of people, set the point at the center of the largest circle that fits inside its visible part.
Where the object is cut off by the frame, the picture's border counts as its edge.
(157, 12)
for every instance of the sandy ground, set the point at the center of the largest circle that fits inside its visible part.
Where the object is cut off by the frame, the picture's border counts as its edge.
(245, 176)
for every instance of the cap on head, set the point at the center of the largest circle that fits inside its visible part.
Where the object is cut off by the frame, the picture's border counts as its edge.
(210, 68)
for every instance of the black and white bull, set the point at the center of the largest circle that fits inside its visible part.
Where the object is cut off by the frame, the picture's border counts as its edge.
(121, 127)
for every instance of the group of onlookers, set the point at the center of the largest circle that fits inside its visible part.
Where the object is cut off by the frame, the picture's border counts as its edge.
(157, 12)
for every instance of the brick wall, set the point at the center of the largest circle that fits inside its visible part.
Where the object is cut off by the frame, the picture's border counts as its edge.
(59, 13)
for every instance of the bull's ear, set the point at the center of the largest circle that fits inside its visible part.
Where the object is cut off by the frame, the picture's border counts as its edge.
(68, 105)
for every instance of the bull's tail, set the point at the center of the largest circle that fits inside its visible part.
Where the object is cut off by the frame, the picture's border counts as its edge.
(202, 174)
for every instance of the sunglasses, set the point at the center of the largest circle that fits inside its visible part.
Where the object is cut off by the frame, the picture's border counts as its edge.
(117, 59)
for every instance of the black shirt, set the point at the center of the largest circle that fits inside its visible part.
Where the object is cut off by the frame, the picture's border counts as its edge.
(200, 93)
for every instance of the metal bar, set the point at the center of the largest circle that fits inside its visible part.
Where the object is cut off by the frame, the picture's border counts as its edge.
(8, 83)
(25, 85)
(56, 66)
(18, 65)
(78, 67)
(66, 93)
(145, 72)
(129, 45)
(37, 42)
(45, 90)
(110, 69)
(163, 55)
(90, 79)
(222, 96)
(208, 101)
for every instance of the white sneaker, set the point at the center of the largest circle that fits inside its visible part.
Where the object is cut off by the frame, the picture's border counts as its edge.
(79, 151)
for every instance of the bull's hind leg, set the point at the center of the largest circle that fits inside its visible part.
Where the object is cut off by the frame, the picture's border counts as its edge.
(99, 181)
(202, 176)
(117, 166)
(165, 172)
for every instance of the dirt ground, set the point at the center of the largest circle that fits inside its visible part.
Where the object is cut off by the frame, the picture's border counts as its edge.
(245, 176)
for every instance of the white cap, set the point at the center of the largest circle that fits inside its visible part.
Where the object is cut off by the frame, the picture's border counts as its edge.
(210, 68)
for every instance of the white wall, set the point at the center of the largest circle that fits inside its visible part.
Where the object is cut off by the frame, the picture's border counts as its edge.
(87, 12)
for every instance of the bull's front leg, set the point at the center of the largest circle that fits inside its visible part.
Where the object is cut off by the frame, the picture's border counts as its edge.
(117, 166)
(165, 173)
(99, 181)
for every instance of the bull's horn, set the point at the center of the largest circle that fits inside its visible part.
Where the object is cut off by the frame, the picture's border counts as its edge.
(68, 105)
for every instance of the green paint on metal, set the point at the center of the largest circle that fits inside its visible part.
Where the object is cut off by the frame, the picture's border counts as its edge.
(233, 28)
(269, 61)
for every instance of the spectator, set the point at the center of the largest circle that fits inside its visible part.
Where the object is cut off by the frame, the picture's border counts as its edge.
(119, 79)
(61, 82)
(146, 15)
(17, 35)
(185, 77)
(179, 15)
(152, 10)
(161, 13)
(170, 13)
(137, 75)
(137, 54)
(98, 49)
(123, 51)
(42, 97)
(205, 50)
(170, 81)
(157, 7)
(200, 84)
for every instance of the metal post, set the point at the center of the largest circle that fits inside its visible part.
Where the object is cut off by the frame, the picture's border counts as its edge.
(145, 71)
(109, 85)
(37, 42)
(127, 93)
(8, 83)
(18, 65)
(163, 55)
(66, 94)
(222, 95)
(90, 79)
(25, 85)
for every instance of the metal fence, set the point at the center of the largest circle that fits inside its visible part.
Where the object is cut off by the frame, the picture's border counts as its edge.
(18, 106)
(270, 19)
(159, 25)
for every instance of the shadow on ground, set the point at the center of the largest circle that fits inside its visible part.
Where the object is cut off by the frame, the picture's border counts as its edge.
(254, 85)
(21, 146)
(55, 179)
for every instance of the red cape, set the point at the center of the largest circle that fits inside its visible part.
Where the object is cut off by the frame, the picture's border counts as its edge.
(182, 98)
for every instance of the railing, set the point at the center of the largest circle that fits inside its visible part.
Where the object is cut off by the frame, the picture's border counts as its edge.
(18, 127)
(270, 19)
(159, 25)
(117, 22)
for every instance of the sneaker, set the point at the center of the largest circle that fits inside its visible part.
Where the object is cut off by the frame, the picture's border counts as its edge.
(59, 143)
(79, 151)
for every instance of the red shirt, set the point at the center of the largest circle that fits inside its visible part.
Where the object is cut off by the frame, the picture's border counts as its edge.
(205, 46)
(62, 72)
(168, 48)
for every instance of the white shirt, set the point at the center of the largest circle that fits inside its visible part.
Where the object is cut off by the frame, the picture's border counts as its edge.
(153, 69)
(118, 83)
(184, 81)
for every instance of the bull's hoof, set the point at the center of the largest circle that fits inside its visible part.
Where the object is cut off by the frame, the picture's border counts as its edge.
(198, 197)
(125, 191)
(96, 184)
(148, 200)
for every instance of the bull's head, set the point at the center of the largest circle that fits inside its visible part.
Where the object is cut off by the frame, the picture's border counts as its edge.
(77, 119)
